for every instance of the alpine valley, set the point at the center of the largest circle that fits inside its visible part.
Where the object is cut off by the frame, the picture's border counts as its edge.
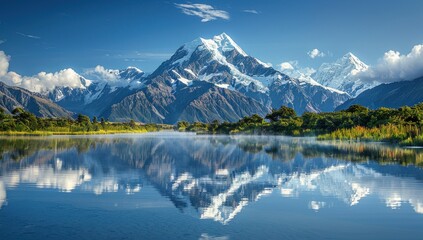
(204, 80)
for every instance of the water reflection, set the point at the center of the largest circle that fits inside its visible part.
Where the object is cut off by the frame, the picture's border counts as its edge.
(216, 177)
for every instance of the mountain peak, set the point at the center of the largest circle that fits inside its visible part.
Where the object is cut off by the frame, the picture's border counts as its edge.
(130, 71)
(222, 42)
(218, 45)
(350, 58)
(343, 75)
(225, 43)
(135, 69)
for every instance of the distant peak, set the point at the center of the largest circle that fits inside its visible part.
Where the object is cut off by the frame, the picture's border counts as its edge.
(135, 69)
(350, 58)
(349, 55)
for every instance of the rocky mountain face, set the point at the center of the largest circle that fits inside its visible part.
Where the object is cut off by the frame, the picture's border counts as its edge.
(205, 80)
(13, 97)
(344, 75)
(393, 95)
(214, 79)
(201, 101)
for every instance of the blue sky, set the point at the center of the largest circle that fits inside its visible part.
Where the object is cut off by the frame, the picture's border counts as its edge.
(52, 35)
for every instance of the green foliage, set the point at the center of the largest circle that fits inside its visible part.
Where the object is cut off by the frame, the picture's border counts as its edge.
(403, 125)
(22, 122)
(282, 113)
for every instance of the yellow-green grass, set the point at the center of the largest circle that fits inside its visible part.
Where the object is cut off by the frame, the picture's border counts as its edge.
(49, 133)
(404, 135)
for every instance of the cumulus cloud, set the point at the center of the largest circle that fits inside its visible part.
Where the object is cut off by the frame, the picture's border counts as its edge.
(4, 63)
(101, 73)
(293, 69)
(28, 36)
(205, 12)
(41, 82)
(113, 77)
(251, 11)
(2, 41)
(394, 66)
(315, 53)
(295, 65)
(286, 66)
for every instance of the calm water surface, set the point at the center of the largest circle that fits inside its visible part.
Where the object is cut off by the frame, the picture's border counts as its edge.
(183, 186)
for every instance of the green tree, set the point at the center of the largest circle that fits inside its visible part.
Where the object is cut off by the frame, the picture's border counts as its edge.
(83, 119)
(282, 113)
(132, 123)
(182, 125)
(254, 119)
(357, 109)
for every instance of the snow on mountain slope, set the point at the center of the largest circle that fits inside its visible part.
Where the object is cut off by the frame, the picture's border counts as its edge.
(343, 75)
(304, 76)
(220, 61)
(104, 81)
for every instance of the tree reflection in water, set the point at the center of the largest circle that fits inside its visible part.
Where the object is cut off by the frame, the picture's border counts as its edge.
(215, 177)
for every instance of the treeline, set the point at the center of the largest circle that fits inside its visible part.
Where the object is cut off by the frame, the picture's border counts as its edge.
(23, 122)
(403, 125)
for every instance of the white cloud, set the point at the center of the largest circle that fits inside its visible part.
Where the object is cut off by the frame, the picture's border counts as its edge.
(286, 66)
(42, 81)
(2, 41)
(4, 63)
(28, 36)
(294, 70)
(113, 77)
(101, 73)
(292, 67)
(315, 53)
(205, 12)
(152, 55)
(251, 11)
(393, 66)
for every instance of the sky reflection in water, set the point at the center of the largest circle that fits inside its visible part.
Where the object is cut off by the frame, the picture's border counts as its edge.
(213, 178)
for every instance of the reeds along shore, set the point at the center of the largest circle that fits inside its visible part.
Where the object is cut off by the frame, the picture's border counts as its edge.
(402, 126)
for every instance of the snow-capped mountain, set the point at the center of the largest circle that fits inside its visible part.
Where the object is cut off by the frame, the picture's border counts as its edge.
(205, 80)
(222, 62)
(217, 177)
(94, 96)
(343, 75)
(214, 79)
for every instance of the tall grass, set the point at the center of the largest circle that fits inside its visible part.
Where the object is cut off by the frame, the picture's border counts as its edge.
(402, 134)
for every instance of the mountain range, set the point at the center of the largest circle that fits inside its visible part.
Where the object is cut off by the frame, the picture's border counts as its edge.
(393, 95)
(15, 97)
(204, 80)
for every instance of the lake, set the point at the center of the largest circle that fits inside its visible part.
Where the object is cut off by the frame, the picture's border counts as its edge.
(184, 186)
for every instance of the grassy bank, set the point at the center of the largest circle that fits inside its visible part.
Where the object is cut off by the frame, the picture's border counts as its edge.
(49, 133)
(403, 135)
(401, 126)
(23, 123)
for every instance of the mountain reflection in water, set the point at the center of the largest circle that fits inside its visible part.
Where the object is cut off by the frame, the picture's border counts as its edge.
(216, 177)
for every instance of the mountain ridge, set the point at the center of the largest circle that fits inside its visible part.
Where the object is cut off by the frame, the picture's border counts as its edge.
(391, 95)
(14, 97)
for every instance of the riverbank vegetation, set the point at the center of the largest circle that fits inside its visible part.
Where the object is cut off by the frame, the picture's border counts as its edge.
(25, 123)
(402, 125)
